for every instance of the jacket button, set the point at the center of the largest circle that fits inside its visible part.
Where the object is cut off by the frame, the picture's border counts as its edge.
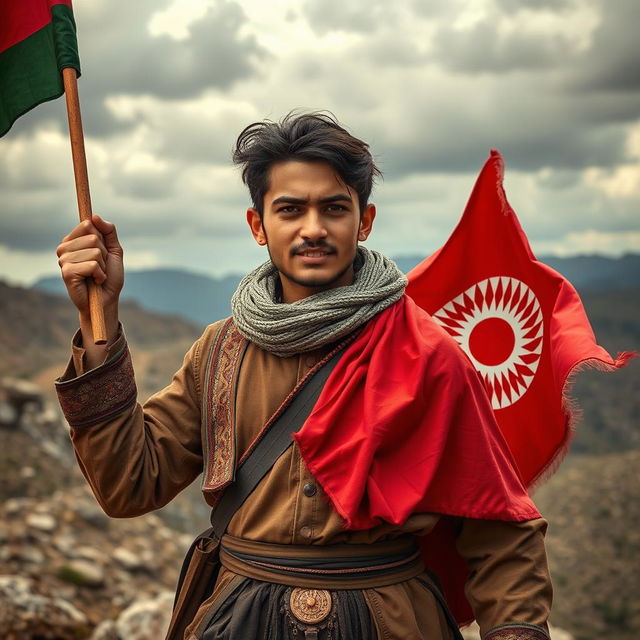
(309, 489)
(305, 531)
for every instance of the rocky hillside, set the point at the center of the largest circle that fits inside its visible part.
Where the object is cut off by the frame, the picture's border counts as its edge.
(37, 327)
(67, 571)
(593, 543)
(610, 403)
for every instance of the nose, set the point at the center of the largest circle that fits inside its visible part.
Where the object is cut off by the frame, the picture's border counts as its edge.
(313, 227)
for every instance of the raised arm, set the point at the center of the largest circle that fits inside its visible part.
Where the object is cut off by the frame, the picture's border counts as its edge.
(135, 457)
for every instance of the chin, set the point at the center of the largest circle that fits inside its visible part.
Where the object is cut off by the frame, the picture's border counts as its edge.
(318, 278)
(315, 284)
(314, 281)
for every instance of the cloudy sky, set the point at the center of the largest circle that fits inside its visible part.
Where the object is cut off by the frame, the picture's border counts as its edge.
(432, 86)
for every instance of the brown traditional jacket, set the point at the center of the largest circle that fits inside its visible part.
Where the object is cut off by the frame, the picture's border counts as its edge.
(138, 457)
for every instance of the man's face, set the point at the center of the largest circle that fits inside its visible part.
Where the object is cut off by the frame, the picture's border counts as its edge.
(311, 225)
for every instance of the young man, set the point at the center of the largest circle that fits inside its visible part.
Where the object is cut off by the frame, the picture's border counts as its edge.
(401, 445)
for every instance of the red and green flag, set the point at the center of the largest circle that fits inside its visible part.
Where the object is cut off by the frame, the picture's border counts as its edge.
(37, 41)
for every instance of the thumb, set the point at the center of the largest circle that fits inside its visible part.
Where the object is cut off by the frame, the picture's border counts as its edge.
(108, 231)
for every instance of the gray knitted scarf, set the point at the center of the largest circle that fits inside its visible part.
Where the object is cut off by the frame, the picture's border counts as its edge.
(320, 319)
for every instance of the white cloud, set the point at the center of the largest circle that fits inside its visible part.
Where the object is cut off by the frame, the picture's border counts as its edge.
(633, 142)
(42, 161)
(175, 19)
(621, 182)
(551, 83)
(25, 267)
(590, 241)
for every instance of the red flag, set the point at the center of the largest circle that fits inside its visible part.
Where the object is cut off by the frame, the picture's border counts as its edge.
(520, 322)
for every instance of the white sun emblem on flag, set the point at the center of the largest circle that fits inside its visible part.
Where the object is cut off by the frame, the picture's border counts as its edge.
(498, 323)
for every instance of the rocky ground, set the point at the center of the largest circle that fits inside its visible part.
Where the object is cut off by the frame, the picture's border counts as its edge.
(70, 572)
(67, 571)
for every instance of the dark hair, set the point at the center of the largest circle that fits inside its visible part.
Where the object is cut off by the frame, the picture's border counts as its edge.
(309, 137)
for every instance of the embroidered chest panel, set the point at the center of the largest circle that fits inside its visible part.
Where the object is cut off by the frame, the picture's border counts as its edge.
(218, 407)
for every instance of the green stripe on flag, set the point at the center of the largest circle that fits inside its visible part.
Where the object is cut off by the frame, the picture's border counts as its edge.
(64, 27)
(30, 71)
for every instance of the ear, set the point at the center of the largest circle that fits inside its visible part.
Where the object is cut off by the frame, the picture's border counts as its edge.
(366, 222)
(255, 224)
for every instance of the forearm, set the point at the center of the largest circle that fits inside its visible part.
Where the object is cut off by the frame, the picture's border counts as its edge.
(509, 586)
(95, 354)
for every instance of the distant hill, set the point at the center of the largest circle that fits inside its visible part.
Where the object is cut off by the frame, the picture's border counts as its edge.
(37, 327)
(204, 299)
(197, 297)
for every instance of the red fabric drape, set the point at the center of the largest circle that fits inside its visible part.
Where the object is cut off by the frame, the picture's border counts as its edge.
(404, 425)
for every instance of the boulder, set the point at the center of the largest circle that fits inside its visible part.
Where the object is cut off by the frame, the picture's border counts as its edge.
(17, 395)
(146, 619)
(105, 631)
(128, 559)
(41, 521)
(82, 573)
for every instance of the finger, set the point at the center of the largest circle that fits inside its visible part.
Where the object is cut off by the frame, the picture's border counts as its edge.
(86, 227)
(83, 242)
(81, 270)
(109, 233)
(84, 255)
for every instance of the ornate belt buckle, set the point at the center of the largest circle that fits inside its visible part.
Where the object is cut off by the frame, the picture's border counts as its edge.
(310, 606)
(309, 611)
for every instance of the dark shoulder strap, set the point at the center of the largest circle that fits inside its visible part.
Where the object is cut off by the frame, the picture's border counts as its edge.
(271, 446)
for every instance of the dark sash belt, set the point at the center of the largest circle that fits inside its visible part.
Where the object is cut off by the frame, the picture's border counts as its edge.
(343, 566)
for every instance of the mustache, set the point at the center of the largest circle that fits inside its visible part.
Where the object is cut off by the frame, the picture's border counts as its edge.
(307, 244)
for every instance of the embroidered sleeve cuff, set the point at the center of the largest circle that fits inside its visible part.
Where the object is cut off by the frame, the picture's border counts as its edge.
(99, 394)
(517, 631)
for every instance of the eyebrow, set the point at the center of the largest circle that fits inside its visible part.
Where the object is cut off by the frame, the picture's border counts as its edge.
(338, 197)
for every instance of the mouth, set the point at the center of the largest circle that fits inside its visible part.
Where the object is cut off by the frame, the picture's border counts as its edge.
(314, 253)
(314, 256)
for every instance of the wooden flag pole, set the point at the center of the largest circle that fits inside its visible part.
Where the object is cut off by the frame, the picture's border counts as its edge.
(82, 191)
